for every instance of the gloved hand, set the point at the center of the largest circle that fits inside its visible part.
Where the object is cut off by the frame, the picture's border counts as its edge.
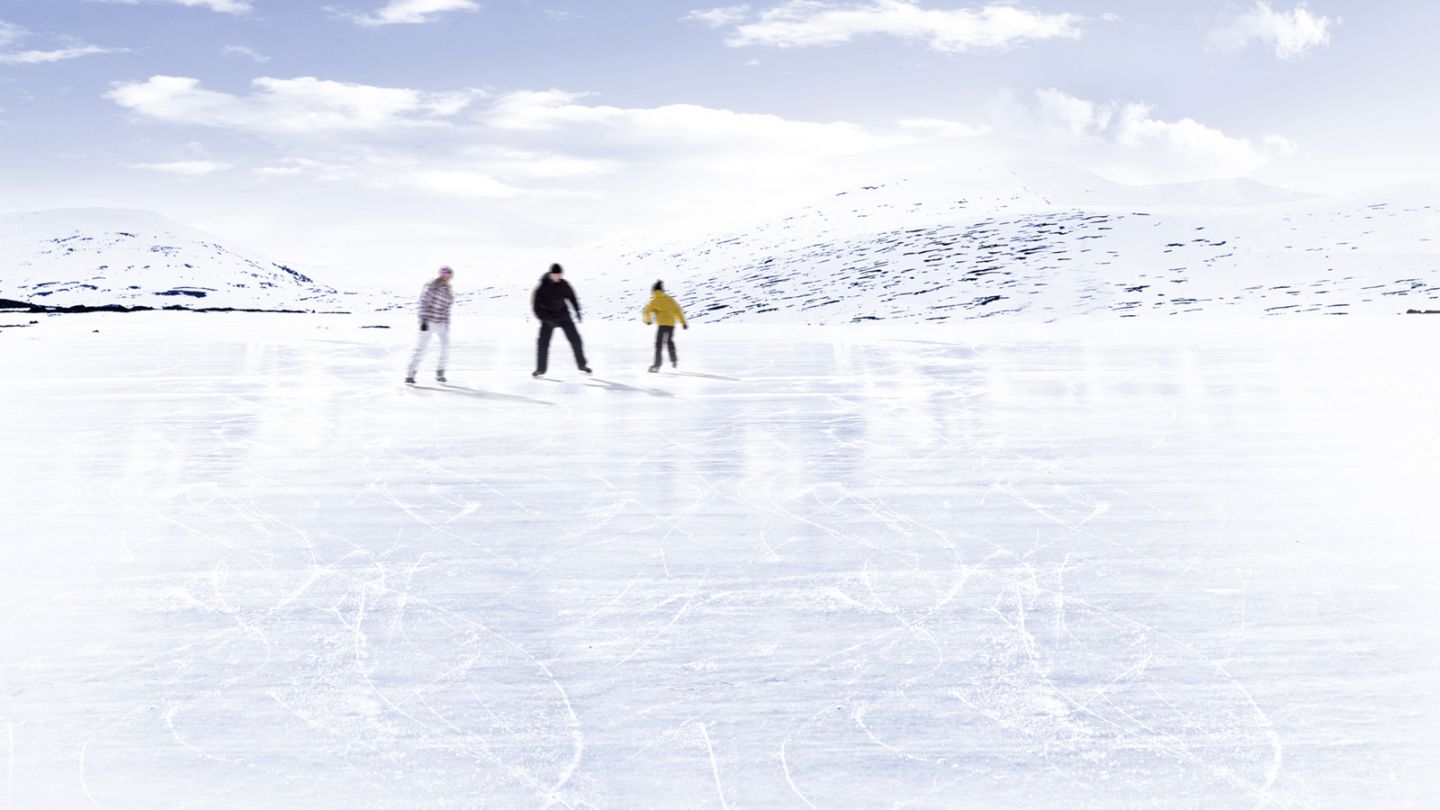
(685, 326)
(424, 326)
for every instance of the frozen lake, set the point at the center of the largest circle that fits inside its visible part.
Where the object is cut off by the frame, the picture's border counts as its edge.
(1090, 567)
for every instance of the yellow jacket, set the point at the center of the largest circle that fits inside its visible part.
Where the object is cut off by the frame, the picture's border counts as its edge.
(665, 310)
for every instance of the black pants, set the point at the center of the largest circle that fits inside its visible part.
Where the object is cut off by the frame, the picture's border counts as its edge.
(665, 336)
(547, 328)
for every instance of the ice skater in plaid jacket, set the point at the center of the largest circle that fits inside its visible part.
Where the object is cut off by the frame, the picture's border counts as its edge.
(435, 303)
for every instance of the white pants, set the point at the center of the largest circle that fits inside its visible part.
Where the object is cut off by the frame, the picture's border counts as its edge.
(443, 331)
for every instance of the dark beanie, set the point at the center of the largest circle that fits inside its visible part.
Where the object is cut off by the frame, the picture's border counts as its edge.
(556, 268)
(659, 287)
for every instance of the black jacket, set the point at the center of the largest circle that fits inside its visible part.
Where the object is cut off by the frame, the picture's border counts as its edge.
(550, 297)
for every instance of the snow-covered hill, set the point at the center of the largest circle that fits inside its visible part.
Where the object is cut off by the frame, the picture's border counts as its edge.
(1045, 242)
(1033, 240)
(98, 256)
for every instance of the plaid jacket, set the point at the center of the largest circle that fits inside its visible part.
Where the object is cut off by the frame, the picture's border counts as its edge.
(435, 302)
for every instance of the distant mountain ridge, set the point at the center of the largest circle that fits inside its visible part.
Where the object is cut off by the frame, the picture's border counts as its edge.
(1045, 242)
(101, 256)
(1033, 241)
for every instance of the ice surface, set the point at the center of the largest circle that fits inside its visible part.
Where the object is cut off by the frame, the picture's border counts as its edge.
(244, 567)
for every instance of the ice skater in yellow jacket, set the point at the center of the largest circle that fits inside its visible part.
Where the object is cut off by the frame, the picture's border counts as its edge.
(663, 309)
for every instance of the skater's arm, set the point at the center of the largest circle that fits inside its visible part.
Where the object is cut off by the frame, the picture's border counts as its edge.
(680, 313)
(649, 309)
(574, 302)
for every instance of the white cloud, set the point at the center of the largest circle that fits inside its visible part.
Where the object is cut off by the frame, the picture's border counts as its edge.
(408, 12)
(722, 17)
(1292, 34)
(1129, 143)
(803, 23)
(56, 55)
(1281, 146)
(189, 168)
(293, 106)
(525, 164)
(246, 52)
(222, 6)
(942, 128)
(554, 145)
(456, 183)
(714, 137)
(1073, 116)
(442, 176)
(11, 34)
(291, 167)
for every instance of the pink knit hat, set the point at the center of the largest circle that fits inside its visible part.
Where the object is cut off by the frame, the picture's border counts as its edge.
(446, 271)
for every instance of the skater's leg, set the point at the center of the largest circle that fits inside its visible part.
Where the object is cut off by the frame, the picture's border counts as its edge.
(573, 335)
(659, 343)
(419, 353)
(670, 342)
(542, 348)
(442, 330)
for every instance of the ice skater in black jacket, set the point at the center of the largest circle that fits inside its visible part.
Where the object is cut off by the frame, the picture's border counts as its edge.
(550, 307)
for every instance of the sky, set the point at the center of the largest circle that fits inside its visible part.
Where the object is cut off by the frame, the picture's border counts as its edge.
(368, 140)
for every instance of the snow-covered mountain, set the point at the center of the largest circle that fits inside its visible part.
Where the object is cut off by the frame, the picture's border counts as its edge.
(99, 256)
(1044, 242)
(1032, 240)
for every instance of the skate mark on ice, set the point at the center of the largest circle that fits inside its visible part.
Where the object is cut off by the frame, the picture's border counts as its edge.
(84, 783)
(714, 766)
(442, 727)
(1172, 743)
(576, 733)
(679, 614)
(702, 376)
(785, 761)
(611, 385)
(384, 491)
(859, 717)
(10, 767)
(479, 394)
